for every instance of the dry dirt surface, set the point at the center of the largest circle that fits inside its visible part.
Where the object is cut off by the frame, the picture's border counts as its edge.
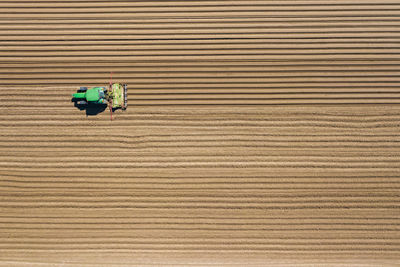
(258, 133)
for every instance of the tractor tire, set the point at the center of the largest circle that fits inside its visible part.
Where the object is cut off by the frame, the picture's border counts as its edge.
(82, 102)
(82, 89)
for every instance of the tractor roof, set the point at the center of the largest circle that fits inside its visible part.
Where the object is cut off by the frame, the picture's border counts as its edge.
(93, 94)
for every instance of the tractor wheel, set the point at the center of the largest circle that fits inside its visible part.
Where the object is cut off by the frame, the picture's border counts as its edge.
(82, 89)
(82, 102)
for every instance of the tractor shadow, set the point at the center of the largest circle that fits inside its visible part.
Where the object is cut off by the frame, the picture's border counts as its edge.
(90, 109)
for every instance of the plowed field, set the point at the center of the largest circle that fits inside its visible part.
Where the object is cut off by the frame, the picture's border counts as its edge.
(257, 133)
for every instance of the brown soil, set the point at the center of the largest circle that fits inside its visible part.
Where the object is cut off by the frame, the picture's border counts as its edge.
(257, 133)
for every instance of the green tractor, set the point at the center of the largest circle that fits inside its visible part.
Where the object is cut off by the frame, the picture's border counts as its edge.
(115, 97)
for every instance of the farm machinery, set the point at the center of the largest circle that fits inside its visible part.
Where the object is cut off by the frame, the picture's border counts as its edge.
(115, 96)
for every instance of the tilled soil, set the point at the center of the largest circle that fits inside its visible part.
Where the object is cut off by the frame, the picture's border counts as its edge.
(257, 133)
